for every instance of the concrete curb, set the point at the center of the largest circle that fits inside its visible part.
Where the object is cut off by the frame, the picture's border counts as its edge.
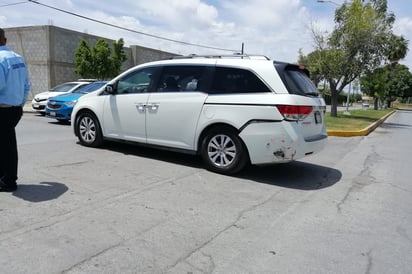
(363, 132)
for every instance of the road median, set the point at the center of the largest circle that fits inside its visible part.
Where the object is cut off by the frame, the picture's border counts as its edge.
(362, 132)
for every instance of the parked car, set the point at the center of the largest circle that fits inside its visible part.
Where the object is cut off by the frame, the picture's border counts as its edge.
(61, 106)
(231, 110)
(39, 101)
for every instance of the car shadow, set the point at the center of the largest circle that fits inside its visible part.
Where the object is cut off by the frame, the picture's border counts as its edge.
(60, 122)
(295, 175)
(154, 153)
(44, 191)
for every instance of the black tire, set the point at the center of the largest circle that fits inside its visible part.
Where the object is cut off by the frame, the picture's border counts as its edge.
(88, 130)
(223, 151)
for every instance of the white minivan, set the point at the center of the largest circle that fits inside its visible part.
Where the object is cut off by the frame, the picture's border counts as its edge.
(231, 110)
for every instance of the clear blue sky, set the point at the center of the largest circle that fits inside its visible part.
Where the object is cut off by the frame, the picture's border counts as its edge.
(277, 28)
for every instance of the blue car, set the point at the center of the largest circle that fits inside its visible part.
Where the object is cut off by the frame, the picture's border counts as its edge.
(61, 107)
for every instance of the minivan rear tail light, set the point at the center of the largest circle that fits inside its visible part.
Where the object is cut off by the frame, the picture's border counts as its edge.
(294, 113)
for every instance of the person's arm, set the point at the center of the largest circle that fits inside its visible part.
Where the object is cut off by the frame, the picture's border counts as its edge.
(2, 77)
(26, 88)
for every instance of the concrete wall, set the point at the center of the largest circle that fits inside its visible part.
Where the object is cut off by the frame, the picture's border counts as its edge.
(32, 43)
(142, 55)
(49, 52)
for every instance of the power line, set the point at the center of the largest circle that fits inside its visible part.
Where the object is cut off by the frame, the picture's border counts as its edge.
(12, 4)
(131, 30)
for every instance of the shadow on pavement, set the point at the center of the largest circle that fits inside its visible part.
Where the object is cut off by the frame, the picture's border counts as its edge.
(44, 191)
(296, 175)
(154, 153)
(394, 125)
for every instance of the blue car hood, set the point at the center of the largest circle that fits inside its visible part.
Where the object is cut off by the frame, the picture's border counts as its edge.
(67, 97)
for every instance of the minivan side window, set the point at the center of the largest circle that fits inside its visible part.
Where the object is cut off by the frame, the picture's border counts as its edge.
(234, 80)
(138, 81)
(183, 78)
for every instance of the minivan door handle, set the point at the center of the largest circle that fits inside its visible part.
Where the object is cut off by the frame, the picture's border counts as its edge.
(140, 107)
(152, 106)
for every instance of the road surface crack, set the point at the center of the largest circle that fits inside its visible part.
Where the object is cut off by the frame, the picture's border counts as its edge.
(228, 227)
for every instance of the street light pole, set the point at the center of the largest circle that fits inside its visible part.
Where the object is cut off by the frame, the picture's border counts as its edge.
(347, 100)
(328, 1)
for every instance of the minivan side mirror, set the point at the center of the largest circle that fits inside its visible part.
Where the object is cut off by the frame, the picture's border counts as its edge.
(110, 89)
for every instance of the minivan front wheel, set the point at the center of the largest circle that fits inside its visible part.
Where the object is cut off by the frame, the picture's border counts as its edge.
(88, 130)
(223, 151)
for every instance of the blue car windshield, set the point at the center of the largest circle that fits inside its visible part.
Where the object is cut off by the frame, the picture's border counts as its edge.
(90, 87)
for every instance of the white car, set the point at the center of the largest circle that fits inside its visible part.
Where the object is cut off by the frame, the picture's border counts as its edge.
(230, 110)
(39, 101)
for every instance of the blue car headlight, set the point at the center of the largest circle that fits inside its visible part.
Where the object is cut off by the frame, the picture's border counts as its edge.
(71, 103)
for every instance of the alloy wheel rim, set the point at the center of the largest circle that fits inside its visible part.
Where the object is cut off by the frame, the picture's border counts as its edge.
(221, 150)
(87, 129)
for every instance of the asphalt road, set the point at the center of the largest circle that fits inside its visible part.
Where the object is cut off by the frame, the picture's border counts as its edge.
(128, 209)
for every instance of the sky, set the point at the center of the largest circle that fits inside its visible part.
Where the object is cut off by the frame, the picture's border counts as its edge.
(275, 28)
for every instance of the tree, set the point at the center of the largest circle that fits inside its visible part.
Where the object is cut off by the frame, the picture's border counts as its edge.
(312, 63)
(100, 61)
(399, 83)
(357, 44)
(387, 84)
(118, 57)
(84, 60)
(374, 84)
(396, 49)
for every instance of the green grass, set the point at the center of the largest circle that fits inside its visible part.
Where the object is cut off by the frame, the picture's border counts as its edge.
(357, 120)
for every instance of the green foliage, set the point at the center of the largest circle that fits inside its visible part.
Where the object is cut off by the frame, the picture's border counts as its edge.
(374, 83)
(118, 55)
(388, 83)
(396, 49)
(84, 60)
(399, 83)
(101, 57)
(100, 61)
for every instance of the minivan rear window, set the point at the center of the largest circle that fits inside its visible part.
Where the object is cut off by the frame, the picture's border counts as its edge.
(297, 80)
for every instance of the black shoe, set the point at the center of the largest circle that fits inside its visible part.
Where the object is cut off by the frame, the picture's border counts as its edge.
(6, 187)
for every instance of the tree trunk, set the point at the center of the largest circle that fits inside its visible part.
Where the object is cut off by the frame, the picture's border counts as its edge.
(334, 103)
(375, 103)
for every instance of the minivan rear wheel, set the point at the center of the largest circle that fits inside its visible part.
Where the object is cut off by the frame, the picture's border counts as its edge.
(88, 130)
(223, 151)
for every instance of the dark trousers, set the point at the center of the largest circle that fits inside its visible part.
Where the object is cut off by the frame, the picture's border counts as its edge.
(9, 117)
